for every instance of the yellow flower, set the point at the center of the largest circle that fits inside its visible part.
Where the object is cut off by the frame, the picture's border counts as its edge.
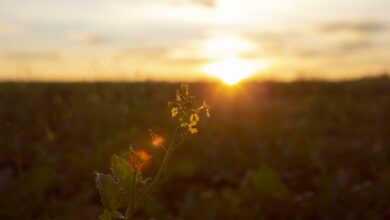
(187, 110)
(192, 124)
(174, 111)
(194, 117)
(193, 130)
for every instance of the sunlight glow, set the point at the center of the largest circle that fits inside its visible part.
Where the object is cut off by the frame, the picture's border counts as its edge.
(157, 142)
(226, 50)
(231, 71)
(138, 159)
(223, 46)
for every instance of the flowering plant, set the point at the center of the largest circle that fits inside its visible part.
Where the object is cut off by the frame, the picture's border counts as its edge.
(125, 188)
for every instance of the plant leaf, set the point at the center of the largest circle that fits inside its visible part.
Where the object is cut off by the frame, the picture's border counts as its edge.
(125, 175)
(109, 191)
(122, 171)
(106, 215)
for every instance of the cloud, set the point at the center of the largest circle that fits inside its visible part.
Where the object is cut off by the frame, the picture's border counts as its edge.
(153, 53)
(88, 38)
(205, 3)
(363, 27)
(356, 45)
(308, 44)
(272, 42)
(167, 55)
(201, 3)
(34, 56)
(7, 28)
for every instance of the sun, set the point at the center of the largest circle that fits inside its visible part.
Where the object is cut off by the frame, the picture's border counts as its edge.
(232, 70)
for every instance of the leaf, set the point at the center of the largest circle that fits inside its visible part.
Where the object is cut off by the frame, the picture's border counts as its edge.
(106, 215)
(122, 171)
(118, 215)
(109, 191)
(125, 175)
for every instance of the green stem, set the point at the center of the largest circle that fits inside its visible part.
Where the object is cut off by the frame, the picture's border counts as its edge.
(155, 179)
(134, 188)
(160, 170)
(180, 143)
(131, 208)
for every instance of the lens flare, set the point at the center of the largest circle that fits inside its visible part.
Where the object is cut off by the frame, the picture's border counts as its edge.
(138, 159)
(157, 141)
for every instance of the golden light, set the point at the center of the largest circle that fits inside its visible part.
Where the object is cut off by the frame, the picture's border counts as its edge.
(232, 70)
(138, 159)
(224, 46)
(157, 142)
(226, 50)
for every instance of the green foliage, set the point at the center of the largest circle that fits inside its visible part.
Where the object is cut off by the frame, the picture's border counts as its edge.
(125, 176)
(106, 215)
(110, 194)
(127, 180)
(118, 190)
(328, 143)
(266, 182)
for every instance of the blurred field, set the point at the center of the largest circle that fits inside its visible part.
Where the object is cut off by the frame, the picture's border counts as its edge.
(302, 150)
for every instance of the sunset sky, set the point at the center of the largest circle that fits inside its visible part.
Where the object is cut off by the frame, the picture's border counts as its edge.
(192, 39)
